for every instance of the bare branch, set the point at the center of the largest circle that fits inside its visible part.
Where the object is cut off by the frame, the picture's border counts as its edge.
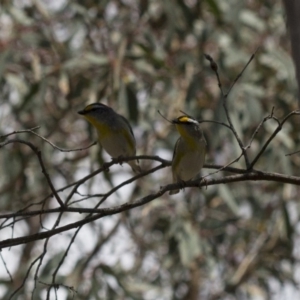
(270, 116)
(106, 166)
(24, 280)
(292, 153)
(6, 268)
(215, 122)
(19, 131)
(44, 171)
(61, 149)
(279, 127)
(31, 130)
(56, 287)
(40, 258)
(250, 175)
(224, 167)
(164, 117)
(214, 67)
(100, 202)
(129, 181)
(63, 259)
(242, 72)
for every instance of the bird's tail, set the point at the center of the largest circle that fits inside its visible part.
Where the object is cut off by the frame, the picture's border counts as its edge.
(173, 192)
(175, 179)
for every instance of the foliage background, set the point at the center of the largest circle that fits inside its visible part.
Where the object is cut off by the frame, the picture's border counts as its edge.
(234, 241)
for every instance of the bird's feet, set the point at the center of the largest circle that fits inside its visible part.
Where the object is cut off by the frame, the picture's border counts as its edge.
(118, 160)
(182, 185)
(105, 167)
(202, 179)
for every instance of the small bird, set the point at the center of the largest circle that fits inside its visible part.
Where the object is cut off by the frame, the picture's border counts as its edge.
(114, 132)
(189, 152)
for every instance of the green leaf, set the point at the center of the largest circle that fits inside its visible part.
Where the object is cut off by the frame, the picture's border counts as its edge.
(3, 61)
(132, 103)
(214, 8)
(227, 196)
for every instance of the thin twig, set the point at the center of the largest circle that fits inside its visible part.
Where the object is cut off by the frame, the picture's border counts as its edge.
(290, 154)
(214, 67)
(224, 167)
(164, 117)
(14, 221)
(19, 131)
(46, 244)
(270, 116)
(44, 171)
(56, 287)
(273, 135)
(186, 114)
(62, 260)
(68, 209)
(81, 210)
(215, 122)
(227, 169)
(24, 280)
(40, 257)
(253, 175)
(101, 241)
(61, 149)
(241, 73)
(6, 268)
(106, 166)
(79, 228)
(100, 202)
(129, 181)
(31, 130)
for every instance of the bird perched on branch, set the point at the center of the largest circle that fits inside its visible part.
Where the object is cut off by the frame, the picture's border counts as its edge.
(189, 152)
(114, 132)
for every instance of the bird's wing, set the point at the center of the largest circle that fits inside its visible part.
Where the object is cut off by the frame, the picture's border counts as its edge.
(128, 124)
(174, 151)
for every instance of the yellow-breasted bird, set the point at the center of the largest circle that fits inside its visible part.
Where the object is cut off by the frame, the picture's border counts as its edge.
(189, 152)
(114, 132)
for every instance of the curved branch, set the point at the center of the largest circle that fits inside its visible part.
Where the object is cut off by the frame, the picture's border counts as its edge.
(279, 127)
(265, 119)
(106, 166)
(241, 73)
(214, 67)
(80, 210)
(61, 149)
(44, 171)
(215, 122)
(19, 131)
(253, 175)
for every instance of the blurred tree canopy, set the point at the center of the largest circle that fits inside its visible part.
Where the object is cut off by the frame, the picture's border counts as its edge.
(70, 229)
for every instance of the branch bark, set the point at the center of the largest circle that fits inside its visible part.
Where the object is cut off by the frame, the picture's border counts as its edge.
(250, 176)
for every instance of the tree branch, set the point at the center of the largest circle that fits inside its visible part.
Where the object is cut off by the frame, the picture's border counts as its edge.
(279, 127)
(214, 67)
(44, 171)
(253, 176)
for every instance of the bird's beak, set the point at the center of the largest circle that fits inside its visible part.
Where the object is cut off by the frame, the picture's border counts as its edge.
(81, 112)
